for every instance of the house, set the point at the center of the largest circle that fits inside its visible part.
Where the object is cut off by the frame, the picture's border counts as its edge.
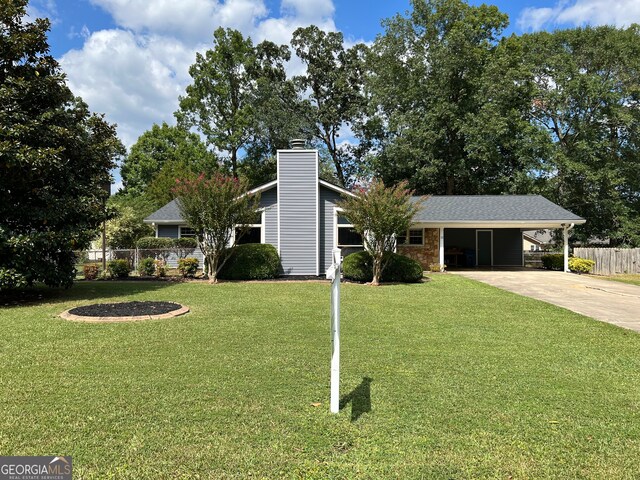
(537, 240)
(299, 216)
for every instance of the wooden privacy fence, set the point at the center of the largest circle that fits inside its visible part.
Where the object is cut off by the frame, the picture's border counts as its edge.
(611, 261)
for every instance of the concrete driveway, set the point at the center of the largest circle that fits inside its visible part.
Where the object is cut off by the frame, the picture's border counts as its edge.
(608, 301)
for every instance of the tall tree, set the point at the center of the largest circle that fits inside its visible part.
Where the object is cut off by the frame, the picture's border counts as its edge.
(426, 71)
(55, 158)
(158, 146)
(580, 91)
(334, 84)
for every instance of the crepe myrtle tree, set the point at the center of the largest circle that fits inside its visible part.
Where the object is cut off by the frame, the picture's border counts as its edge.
(215, 207)
(380, 213)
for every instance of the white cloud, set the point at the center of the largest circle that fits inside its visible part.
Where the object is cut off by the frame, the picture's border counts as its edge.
(135, 72)
(582, 12)
(43, 9)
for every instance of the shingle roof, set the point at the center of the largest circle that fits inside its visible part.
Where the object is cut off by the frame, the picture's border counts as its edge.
(169, 213)
(486, 208)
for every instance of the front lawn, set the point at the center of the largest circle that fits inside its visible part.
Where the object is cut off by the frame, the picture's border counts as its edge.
(630, 278)
(447, 379)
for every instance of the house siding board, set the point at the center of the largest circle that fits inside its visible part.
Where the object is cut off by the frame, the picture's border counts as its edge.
(168, 231)
(507, 247)
(297, 207)
(328, 201)
(269, 201)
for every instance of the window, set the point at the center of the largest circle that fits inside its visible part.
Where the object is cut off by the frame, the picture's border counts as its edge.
(187, 232)
(347, 235)
(415, 236)
(251, 235)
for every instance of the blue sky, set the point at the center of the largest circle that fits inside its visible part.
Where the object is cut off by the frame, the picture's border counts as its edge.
(129, 59)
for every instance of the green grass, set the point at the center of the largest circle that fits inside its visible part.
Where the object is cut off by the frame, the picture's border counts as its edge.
(467, 381)
(630, 278)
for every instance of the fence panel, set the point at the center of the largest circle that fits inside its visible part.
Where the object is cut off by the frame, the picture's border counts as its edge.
(170, 255)
(611, 261)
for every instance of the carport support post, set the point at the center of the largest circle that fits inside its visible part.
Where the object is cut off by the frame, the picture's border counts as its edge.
(565, 238)
(441, 245)
(334, 274)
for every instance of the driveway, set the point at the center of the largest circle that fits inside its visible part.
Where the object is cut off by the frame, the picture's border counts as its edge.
(608, 301)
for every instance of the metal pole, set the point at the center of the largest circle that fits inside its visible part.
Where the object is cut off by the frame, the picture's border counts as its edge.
(335, 334)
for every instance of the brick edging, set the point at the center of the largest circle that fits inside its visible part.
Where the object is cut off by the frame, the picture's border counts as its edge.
(82, 318)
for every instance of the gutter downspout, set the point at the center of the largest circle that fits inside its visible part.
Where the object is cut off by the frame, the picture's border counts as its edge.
(565, 235)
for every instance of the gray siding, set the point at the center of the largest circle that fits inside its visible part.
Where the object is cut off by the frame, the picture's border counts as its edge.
(328, 200)
(298, 211)
(507, 246)
(269, 201)
(170, 231)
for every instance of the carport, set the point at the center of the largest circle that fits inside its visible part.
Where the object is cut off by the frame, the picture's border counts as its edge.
(486, 230)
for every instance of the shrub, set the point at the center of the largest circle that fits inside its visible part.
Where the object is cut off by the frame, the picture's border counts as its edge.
(188, 267)
(436, 267)
(153, 243)
(119, 268)
(581, 265)
(160, 268)
(251, 261)
(147, 267)
(90, 271)
(359, 267)
(185, 245)
(553, 261)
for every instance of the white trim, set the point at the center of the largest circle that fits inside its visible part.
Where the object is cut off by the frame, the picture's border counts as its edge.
(477, 251)
(407, 235)
(262, 188)
(337, 226)
(526, 225)
(278, 198)
(180, 227)
(317, 216)
(262, 227)
(165, 222)
(335, 188)
(156, 228)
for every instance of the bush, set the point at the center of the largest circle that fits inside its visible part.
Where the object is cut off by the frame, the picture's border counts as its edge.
(251, 261)
(185, 242)
(359, 267)
(90, 271)
(580, 265)
(118, 268)
(553, 261)
(147, 267)
(160, 268)
(188, 267)
(153, 243)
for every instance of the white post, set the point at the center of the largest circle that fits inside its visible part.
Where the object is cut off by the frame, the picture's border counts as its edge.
(441, 245)
(334, 274)
(565, 238)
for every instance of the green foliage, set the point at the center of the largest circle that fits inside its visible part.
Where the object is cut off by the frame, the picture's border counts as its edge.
(382, 213)
(240, 99)
(118, 268)
(398, 268)
(161, 155)
(153, 243)
(251, 261)
(581, 265)
(55, 158)
(334, 78)
(426, 73)
(185, 243)
(124, 230)
(147, 267)
(214, 208)
(188, 267)
(553, 261)
(90, 271)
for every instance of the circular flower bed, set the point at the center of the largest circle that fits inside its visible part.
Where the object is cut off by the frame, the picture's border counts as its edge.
(124, 311)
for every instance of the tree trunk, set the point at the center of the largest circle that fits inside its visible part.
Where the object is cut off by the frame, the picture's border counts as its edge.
(377, 266)
(450, 185)
(234, 163)
(212, 261)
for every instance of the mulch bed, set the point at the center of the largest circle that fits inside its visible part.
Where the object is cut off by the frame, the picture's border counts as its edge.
(124, 311)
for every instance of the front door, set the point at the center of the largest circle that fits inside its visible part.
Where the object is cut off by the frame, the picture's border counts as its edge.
(484, 248)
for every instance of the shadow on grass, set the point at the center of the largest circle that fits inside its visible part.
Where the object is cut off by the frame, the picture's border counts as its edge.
(360, 399)
(81, 290)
